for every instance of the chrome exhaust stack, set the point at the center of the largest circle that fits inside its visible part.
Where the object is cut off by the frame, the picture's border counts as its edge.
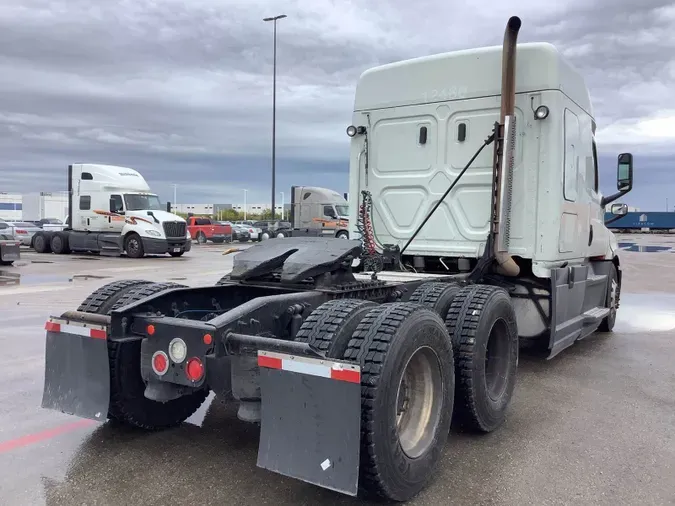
(505, 151)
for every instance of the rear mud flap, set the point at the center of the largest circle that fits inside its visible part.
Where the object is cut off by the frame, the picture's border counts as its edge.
(77, 377)
(310, 420)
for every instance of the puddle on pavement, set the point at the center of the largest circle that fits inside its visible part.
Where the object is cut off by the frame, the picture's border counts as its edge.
(645, 248)
(8, 278)
(646, 312)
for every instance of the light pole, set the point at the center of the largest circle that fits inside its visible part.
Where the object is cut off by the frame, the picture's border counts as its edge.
(283, 205)
(245, 204)
(174, 195)
(274, 104)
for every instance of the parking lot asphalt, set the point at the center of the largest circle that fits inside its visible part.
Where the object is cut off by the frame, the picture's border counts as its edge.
(594, 425)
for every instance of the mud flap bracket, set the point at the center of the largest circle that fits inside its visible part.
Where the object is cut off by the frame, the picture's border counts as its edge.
(310, 420)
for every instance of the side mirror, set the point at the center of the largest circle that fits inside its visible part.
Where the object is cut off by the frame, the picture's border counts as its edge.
(619, 209)
(624, 172)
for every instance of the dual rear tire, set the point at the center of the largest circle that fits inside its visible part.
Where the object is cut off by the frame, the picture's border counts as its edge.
(447, 355)
(407, 383)
(128, 404)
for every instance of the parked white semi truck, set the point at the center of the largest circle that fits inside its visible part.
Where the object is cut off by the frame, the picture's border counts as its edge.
(111, 211)
(319, 209)
(355, 377)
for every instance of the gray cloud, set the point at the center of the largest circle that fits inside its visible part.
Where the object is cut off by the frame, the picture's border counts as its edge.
(182, 90)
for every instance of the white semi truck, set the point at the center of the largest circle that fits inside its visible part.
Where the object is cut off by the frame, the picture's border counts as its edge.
(320, 209)
(354, 356)
(111, 211)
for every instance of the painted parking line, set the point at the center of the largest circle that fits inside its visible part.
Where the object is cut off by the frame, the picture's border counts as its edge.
(45, 435)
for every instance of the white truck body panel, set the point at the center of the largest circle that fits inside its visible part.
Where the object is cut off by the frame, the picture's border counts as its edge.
(555, 198)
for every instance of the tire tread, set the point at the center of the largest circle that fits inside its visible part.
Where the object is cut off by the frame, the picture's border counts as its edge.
(462, 322)
(368, 347)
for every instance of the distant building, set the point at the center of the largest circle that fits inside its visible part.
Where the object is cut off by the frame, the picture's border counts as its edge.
(11, 206)
(216, 209)
(193, 208)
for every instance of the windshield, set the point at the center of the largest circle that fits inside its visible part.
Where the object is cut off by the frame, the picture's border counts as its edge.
(137, 202)
(342, 210)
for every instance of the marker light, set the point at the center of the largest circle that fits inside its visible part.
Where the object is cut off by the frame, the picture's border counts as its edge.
(194, 369)
(177, 350)
(150, 329)
(208, 339)
(351, 130)
(541, 112)
(160, 363)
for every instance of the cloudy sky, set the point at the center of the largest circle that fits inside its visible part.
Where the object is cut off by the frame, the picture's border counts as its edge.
(181, 90)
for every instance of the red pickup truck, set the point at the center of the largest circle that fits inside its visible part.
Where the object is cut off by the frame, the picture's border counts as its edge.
(204, 229)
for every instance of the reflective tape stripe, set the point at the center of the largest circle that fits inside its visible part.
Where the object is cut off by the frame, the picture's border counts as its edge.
(77, 328)
(311, 366)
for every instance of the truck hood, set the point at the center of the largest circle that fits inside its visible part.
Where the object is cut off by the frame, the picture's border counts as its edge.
(162, 216)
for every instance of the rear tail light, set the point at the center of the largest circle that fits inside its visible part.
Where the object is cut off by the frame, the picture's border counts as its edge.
(160, 363)
(21, 232)
(194, 369)
(250, 230)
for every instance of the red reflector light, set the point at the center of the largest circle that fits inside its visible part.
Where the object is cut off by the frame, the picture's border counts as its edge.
(160, 363)
(208, 339)
(194, 369)
(150, 329)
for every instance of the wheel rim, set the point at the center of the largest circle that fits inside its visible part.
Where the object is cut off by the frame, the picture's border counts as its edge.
(419, 402)
(497, 359)
(612, 299)
(133, 246)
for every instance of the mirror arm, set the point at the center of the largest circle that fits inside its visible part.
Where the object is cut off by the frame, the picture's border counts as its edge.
(612, 198)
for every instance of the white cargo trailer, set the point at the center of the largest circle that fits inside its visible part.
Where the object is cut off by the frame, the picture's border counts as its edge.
(45, 205)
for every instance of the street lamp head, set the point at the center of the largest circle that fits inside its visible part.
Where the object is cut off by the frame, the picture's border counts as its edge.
(280, 16)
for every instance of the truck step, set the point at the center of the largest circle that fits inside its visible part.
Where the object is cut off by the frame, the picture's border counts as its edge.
(595, 314)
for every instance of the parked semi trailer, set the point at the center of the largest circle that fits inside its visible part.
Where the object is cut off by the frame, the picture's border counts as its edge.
(355, 355)
(111, 211)
(652, 221)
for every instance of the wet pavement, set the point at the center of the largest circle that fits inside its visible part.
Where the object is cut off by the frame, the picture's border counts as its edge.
(594, 425)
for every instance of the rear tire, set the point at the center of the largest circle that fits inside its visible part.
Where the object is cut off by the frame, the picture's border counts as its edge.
(59, 243)
(330, 326)
(612, 301)
(342, 235)
(390, 340)
(127, 403)
(101, 300)
(436, 296)
(41, 244)
(482, 325)
(201, 238)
